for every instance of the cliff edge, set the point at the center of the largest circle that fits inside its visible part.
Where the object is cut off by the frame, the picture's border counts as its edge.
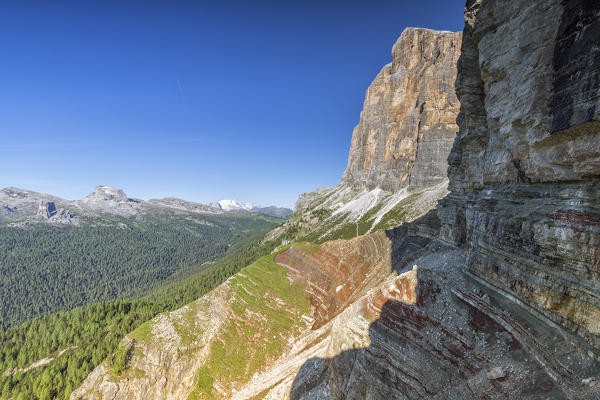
(408, 122)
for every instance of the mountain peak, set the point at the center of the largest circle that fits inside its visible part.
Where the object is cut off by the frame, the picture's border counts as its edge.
(235, 205)
(408, 122)
(111, 200)
(107, 193)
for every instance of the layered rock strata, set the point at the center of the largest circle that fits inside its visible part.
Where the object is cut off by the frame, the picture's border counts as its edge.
(522, 321)
(408, 122)
(279, 302)
(391, 316)
(524, 171)
(459, 340)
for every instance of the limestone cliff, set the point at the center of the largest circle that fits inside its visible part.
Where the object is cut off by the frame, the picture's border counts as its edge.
(524, 170)
(408, 122)
(507, 305)
(400, 146)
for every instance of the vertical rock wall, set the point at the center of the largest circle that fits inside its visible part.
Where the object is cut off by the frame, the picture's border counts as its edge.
(524, 171)
(408, 122)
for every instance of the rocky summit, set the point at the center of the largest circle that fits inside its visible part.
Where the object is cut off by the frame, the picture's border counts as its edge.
(493, 293)
(408, 122)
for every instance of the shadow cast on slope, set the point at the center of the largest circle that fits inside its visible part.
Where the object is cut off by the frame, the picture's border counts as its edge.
(412, 240)
(440, 347)
(413, 355)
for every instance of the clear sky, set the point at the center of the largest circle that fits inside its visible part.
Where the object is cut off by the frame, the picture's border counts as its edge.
(252, 100)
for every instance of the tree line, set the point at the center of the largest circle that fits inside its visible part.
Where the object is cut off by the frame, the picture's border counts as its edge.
(45, 269)
(89, 334)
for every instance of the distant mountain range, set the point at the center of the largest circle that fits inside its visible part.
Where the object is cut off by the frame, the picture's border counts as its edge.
(57, 254)
(235, 205)
(22, 206)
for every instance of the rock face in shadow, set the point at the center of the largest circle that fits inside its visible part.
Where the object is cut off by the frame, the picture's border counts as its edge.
(524, 170)
(576, 65)
(417, 353)
(408, 122)
(508, 300)
(454, 337)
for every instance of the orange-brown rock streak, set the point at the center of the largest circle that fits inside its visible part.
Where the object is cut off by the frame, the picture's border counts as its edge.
(338, 272)
(402, 289)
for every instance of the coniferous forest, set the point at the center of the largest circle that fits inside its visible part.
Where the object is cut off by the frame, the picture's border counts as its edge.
(45, 268)
(70, 294)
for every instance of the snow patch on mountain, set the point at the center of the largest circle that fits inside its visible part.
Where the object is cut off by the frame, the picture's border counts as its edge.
(236, 205)
(360, 205)
(389, 204)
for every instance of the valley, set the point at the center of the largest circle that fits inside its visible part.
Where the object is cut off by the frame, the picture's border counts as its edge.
(110, 247)
(79, 275)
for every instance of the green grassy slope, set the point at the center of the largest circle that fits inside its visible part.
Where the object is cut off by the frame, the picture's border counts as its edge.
(318, 225)
(264, 292)
(92, 333)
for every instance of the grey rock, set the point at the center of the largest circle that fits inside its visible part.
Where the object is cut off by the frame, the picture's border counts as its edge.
(184, 205)
(20, 207)
(524, 171)
(496, 373)
(48, 212)
(46, 209)
(24, 206)
(107, 199)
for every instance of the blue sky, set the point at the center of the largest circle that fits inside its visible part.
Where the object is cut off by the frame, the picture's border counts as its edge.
(252, 100)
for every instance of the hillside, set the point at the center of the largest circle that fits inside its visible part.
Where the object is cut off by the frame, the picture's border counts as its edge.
(49, 356)
(57, 254)
(258, 320)
(492, 295)
(249, 336)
